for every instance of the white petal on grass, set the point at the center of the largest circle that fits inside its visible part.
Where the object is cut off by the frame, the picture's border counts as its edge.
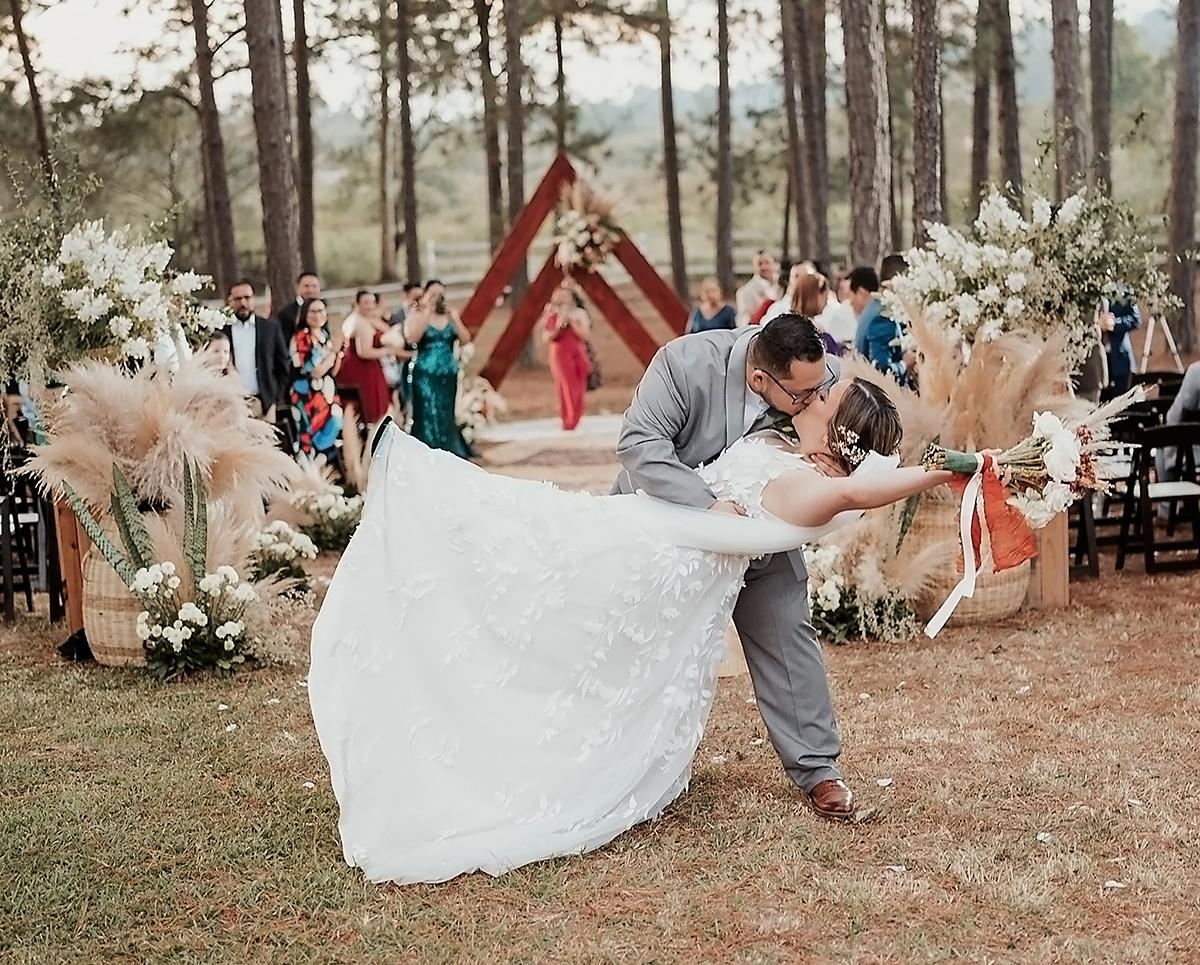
(272, 700)
(717, 759)
(1045, 837)
(884, 782)
(1114, 884)
(1133, 802)
(864, 696)
(757, 742)
(222, 707)
(309, 785)
(230, 728)
(898, 869)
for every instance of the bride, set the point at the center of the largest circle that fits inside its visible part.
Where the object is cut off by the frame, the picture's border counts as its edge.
(504, 672)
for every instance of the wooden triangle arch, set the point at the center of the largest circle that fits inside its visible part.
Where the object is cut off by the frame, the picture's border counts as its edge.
(525, 315)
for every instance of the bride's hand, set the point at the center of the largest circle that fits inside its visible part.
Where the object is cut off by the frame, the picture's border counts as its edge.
(732, 509)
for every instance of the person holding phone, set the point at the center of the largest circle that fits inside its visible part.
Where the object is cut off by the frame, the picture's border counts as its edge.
(434, 328)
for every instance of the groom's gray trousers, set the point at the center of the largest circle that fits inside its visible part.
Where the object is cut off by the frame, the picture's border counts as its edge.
(689, 408)
(788, 672)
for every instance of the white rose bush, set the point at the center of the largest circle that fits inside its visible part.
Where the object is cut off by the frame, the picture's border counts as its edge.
(1041, 276)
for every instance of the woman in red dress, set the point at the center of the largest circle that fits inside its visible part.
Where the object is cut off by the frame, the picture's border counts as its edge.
(565, 330)
(360, 378)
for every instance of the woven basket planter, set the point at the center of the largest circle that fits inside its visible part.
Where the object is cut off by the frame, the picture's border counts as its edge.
(997, 595)
(109, 615)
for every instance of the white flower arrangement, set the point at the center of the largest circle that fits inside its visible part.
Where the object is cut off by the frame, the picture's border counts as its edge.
(278, 551)
(180, 634)
(584, 231)
(476, 403)
(849, 594)
(1041, 276)
(122, 293)
(331, 516)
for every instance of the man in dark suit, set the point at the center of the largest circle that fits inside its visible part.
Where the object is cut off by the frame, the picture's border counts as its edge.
(260, 354)
(308, 285)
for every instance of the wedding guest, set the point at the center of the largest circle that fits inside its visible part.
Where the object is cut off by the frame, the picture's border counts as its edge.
(308, 285)
(316, 410)
(1184, 408)
(434, 328)
(1117, 319)
(218, 355)
(363, 349)
(760, 292)
(712, 311)
(403, 368)
(840, 319)
(878, 337)
(785, 304)
(811, 299)
(259, 352)
(565, 328)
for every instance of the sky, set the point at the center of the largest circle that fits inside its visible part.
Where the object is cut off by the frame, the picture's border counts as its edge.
(79, 38)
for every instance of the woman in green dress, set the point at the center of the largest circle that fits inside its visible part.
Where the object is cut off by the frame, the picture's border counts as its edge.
(433, 327)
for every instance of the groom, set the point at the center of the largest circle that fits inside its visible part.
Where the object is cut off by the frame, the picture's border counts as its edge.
(700, 395)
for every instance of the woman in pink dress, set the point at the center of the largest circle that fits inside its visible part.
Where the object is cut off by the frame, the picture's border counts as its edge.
(565, 330)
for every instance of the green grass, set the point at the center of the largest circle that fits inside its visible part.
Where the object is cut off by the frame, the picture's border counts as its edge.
(135, 827)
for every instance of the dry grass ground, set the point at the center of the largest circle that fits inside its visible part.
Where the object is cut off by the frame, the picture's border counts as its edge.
(1041, 805)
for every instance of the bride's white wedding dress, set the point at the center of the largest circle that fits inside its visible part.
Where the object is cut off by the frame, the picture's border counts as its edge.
(503, 671)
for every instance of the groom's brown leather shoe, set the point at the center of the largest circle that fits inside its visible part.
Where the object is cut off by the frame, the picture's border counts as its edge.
(833, 800)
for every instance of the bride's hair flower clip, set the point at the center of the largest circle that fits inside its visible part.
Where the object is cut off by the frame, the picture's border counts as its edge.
(843, 443)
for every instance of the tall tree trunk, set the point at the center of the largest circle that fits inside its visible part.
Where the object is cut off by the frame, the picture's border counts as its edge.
(981, 101)
(1069, 112)
(1181, 204)
(272, 127)
(785, 249)
(560, 83)
(811, 69)
(35, 98)
(799, 181)
(513, 26)
(943, 201)
(896, 186)
(218, 205)
(724, 225)
(491, 124)
(1100, 63)
(1006, 91)
(304, 139)
(927, 118)
(212, 255)
(408, 150)
(387, 250)
(867, 113)
(671, 154)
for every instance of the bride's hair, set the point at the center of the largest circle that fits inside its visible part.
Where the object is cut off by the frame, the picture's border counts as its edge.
(866, 421)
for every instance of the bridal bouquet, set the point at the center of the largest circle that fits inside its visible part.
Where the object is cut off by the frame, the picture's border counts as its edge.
(111, 292)
(584, 230)
(1050, 469)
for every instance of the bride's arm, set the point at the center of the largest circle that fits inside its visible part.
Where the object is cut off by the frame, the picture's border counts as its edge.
(804, 498)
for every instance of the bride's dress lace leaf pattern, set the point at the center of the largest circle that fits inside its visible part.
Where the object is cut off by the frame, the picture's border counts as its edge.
(503, 671)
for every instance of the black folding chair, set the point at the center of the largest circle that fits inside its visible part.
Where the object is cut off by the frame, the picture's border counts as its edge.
(1146, 492)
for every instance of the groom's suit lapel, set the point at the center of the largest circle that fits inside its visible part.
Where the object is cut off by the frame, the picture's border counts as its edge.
(735, 388)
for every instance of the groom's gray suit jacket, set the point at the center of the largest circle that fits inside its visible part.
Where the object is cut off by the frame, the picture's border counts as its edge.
(688, 409)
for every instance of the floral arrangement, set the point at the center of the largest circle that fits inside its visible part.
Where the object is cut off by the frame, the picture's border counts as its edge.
(842, 611)
(477, 404)
(197, 621)
(584, 230)
(1041, 276)
(118, 293)
(147, 423)
(1057, 464)
(330, 516)
(278, 551)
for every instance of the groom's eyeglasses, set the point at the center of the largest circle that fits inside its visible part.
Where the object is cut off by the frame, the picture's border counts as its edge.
(803, 398)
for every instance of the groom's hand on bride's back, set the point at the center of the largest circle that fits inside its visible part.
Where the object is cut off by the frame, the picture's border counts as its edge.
(724, 506)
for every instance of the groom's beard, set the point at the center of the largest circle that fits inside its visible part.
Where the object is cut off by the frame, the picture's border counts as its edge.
(242, 315)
